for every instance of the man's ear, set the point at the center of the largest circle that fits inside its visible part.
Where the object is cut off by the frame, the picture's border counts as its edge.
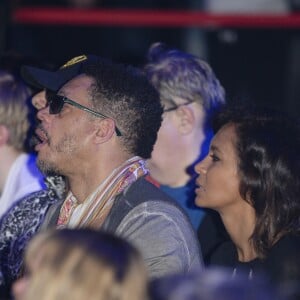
(186, 119)
(4, 135)
(104, 130)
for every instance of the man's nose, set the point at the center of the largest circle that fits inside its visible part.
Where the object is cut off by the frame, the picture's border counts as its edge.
(43, 114)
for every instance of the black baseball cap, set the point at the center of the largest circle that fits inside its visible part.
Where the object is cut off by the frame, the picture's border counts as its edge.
(54, 80)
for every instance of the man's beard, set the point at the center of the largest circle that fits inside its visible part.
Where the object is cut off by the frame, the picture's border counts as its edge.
(67, 147)
(48, 168)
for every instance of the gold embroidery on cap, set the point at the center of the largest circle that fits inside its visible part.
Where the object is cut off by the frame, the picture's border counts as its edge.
(73, 61)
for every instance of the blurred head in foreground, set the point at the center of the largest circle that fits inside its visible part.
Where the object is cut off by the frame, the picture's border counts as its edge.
(81, 264)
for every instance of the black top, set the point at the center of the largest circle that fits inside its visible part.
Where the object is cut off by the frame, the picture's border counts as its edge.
(281, 264)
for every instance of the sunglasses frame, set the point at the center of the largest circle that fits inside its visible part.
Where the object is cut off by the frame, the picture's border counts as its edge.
(52, 98)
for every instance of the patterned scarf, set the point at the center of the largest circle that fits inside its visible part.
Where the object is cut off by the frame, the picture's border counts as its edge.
(96, 207)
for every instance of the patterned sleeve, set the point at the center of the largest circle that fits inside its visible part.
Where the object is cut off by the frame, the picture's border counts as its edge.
(17, 227)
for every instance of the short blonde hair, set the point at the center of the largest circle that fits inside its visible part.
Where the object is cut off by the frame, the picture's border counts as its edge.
(81, 264)
(14, 111)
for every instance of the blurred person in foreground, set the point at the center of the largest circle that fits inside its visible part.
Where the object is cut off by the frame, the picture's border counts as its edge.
(79, 264)
(212, 284)
(191, 95)
(251, 178)
(98, 126)
(19, 175)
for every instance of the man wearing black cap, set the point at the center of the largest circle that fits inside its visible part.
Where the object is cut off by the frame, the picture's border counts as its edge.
(99, 124)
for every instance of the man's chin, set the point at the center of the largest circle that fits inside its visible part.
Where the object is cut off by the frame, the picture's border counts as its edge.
(47, 168)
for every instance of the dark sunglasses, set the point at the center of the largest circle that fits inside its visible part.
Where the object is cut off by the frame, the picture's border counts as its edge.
(56, 104)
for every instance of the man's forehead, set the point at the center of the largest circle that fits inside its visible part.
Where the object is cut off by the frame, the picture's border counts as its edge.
(79, 82)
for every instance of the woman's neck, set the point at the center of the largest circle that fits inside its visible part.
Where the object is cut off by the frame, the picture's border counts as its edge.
(239, 223)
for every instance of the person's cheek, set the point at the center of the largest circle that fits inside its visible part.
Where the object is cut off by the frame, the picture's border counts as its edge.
(19, 288)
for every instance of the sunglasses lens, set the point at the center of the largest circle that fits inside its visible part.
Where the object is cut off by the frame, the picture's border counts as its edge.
(55, 102)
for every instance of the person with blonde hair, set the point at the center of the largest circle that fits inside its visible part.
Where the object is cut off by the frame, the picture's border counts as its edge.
(25, 215)
(19, 175)
(81, 264)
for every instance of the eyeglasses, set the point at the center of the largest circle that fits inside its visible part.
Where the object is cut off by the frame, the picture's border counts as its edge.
(176, 106)
(56, 104)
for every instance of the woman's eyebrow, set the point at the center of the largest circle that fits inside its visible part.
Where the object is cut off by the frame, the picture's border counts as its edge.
(214, 148)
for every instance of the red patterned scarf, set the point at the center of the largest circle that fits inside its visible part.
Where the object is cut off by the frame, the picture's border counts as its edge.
(96, 207)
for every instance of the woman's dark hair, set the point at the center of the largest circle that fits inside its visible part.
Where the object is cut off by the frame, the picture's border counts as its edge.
(268, 150)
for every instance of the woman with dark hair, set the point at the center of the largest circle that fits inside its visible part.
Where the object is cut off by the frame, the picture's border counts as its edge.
(251, 177)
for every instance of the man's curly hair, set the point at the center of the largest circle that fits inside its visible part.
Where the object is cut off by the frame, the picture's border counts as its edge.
(125, 94)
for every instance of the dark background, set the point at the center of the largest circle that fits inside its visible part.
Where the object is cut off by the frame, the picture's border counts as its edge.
(261, 65)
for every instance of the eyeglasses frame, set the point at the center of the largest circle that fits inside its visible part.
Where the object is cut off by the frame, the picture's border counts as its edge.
(176, 106)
